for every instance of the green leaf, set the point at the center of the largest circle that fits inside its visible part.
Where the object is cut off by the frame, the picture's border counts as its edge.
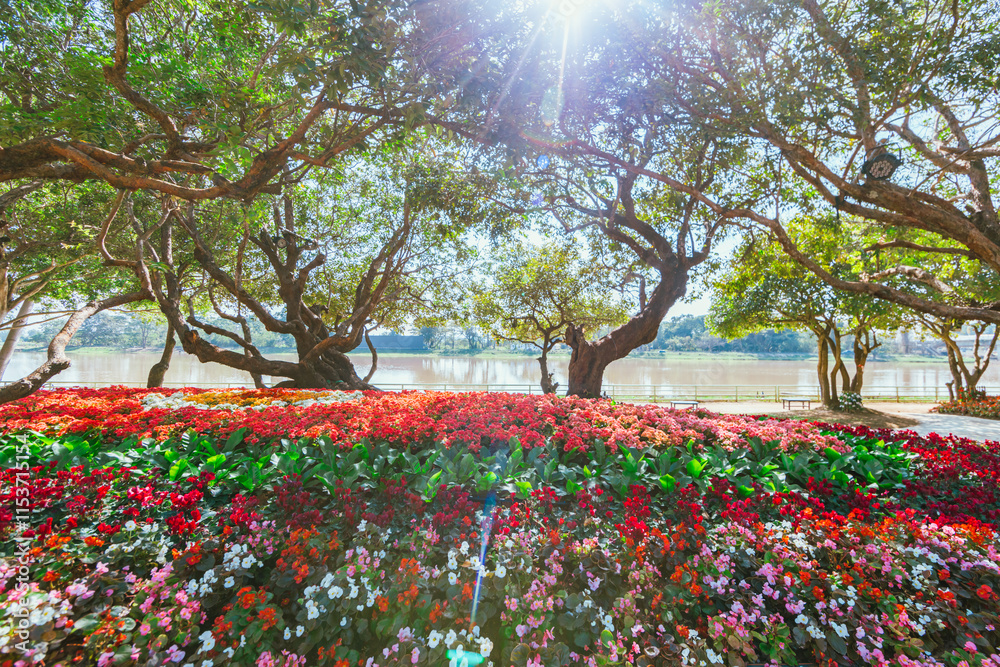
(694, 468)
(668, 482)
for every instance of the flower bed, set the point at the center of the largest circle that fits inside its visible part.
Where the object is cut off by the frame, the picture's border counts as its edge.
(980, 405)
(427, 529)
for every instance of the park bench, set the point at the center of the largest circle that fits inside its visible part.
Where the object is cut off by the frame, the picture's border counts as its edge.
(787, 401)
(689, 404)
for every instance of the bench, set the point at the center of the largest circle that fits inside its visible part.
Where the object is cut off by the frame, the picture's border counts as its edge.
(787, 401)
(690, 404)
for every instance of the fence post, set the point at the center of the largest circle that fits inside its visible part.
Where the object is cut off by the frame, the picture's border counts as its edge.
(696, 392)
(737, 394)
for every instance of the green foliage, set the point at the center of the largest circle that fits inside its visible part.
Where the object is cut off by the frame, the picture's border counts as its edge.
(535, 292)
(241, 465)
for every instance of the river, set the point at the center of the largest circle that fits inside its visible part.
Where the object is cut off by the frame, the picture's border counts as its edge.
(670, 376)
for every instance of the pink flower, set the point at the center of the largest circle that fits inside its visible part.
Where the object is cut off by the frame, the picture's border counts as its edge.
(144, 629)
(105, 658)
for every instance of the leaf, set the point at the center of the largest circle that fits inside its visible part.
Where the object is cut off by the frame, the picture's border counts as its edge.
(694, 468)
(837, 642)
(215, 462)
(668, 483)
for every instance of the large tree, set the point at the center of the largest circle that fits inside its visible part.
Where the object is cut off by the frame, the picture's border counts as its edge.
(324, 263)
(535, 293)
(559, 100)
(828, 97)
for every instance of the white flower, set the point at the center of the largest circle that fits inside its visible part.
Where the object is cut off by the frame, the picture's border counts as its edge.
(288, 633)
(434, 638)
(207, 641)
(485, 646)
(801, 619)
(464, 548)
(362, 525)
(327, 581)
(229, 582)
(712, 656)
(452, 578)
(299, 631)
(841, 630)
(248, 562)
(130, 525)
(500, 572)
(354, 592)
(343, 622)
(450, 638)
(335, 592)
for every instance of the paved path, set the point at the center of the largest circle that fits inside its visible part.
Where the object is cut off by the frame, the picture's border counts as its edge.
(966, 427)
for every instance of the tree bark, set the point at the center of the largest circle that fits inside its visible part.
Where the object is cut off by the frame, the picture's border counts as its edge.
(160, 368)
(57, 360)
(14, 333)
(591, 358)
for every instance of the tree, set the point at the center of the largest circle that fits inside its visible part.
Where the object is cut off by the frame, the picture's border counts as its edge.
(323, 264)
(561, 101)
(828, 98)
(964, 380)
(537, 293)
(765, 288)
(47, 255)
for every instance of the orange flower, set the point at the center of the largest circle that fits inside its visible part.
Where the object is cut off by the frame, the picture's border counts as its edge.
(985, 592)
(92, 541)
(818, 593)
(682, 630)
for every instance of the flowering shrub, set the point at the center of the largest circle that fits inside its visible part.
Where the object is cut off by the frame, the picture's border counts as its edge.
(850, 401)
(529, 555)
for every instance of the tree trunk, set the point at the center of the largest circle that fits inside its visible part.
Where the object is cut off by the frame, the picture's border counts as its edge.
(591, 358)
(160, 368)
(15, 331)
(862, 349)
(371, 371)
(57, 360)
(548, 386)
(823, 364)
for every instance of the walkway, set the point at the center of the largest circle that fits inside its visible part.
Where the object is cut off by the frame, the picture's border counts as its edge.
(965, 427)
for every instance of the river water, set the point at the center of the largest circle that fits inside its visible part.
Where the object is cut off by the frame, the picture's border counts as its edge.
(678, 377)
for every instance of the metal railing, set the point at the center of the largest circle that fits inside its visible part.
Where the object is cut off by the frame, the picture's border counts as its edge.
(634, 392)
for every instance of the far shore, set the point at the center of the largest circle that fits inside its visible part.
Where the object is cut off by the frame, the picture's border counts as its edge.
(361, 355)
